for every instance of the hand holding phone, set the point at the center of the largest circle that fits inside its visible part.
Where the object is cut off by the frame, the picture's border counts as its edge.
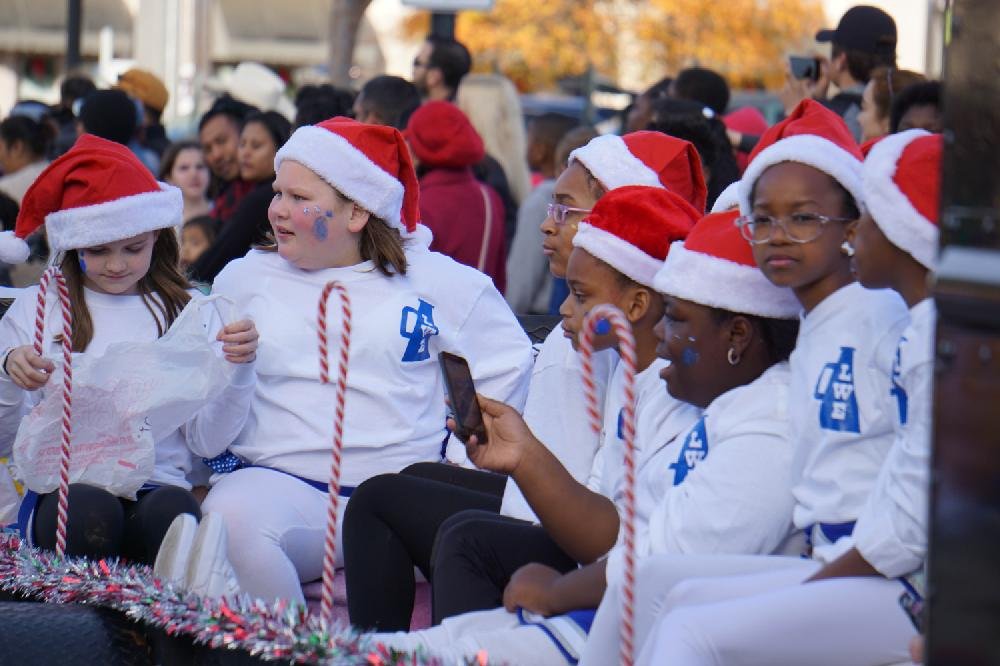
(804, 68)
(462, 394)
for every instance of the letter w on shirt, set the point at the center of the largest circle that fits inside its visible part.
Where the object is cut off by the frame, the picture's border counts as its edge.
(693, 451)
(838, 409)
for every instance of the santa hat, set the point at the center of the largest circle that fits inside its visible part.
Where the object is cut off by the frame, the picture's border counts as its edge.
(631, 228)
(728, 198)
(812, 135)
(368, 164)
(97, 192)
(645, 158)
(902, 183)
(441, 136)
(714, 266)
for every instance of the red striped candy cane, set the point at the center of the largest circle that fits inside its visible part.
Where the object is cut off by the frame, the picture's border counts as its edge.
(62, 505)
(626, 348)
(330, 545)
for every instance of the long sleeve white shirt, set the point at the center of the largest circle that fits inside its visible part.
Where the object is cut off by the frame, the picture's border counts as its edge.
(126, 319)
(891, 532)
(395, 409)
(725, 485)
(556, 412)
(841, 411)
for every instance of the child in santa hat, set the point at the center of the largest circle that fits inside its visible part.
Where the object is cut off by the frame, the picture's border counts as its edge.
(721, 484)
(405, 531)
(849, 610)
(108, 224)
(801, 195)
(345, 210)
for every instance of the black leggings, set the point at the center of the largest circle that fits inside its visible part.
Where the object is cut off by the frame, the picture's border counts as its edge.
(389, 527)
(99, 524)
(477, 552)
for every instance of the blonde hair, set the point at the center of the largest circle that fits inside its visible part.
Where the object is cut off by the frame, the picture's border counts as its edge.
(494, 108)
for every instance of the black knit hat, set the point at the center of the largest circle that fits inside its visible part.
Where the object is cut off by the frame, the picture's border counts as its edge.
(110, 114)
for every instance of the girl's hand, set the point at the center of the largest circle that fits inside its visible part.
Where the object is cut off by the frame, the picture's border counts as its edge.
(530, 588)
(239, 341)
(27, 369)
(507, 434)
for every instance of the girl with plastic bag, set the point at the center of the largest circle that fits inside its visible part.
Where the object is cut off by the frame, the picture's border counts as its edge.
(151, 384)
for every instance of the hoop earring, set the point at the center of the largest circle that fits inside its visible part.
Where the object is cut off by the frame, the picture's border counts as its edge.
(847, 249)
(733, 357)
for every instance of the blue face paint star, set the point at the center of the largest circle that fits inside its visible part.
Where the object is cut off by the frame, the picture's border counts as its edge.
(83, 265)
(305, 211)
(329, 214)
(603, 327)
(689, 356)
(320, 230)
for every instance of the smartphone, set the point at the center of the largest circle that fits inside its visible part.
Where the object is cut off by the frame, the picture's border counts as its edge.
(462, 393)
(804, 67)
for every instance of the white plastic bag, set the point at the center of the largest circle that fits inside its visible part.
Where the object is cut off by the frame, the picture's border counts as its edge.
(124, 401)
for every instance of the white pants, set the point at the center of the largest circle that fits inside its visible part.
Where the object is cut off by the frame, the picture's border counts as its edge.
(656, 577)
(275, 528)
(497, 633)
(755, 610)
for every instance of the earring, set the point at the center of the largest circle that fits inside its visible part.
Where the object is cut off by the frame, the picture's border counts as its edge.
(733, 356)
(847, 248)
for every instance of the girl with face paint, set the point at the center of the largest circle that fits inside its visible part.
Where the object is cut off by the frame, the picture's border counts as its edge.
(344, 208)
(720, 485)
(800, 197)
(847, 611)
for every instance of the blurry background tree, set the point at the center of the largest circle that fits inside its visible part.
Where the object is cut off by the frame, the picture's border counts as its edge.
(537, 43)
(744, 40)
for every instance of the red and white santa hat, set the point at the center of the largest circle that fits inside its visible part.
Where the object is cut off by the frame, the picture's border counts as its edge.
(630, 228)
(97, 192)
(728, 198)
(902, 183)
(714, 266)
(646, 158)
(812, 135)
(368, 164)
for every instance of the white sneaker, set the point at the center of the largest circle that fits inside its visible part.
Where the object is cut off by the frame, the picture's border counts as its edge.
(175, 550)
(209, 573)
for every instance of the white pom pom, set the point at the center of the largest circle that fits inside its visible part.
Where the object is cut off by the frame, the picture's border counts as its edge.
(13, 250)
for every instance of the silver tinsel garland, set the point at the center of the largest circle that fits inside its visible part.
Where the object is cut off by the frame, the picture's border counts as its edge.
(278, 632)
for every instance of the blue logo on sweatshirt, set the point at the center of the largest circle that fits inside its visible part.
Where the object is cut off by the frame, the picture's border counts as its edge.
(897, 390)
(417, 325)
(693, 451)
(838, 408)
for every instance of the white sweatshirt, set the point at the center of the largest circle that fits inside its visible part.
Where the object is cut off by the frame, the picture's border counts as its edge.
(125, 319)
(556, 412)
(660, 420)
(891, 532)
(724, 486)
(841, 413)
(395, 409)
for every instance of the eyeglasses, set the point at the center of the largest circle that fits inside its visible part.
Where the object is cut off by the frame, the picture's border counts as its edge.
(558, 212)
(798, 227)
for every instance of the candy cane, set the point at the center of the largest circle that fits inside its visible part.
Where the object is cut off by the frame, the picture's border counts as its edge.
(62, 505)
(626, 347)
(330, 546)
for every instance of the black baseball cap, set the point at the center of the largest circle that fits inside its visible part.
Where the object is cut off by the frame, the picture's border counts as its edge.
(863, 28)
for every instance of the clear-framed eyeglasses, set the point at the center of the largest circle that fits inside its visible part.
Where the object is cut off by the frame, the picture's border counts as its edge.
(558, 212)
(798, 227)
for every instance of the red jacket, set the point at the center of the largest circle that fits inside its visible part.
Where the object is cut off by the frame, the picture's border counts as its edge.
(452, 206)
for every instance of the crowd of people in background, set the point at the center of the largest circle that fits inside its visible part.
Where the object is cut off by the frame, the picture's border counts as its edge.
(455, 202)
(226, 182)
